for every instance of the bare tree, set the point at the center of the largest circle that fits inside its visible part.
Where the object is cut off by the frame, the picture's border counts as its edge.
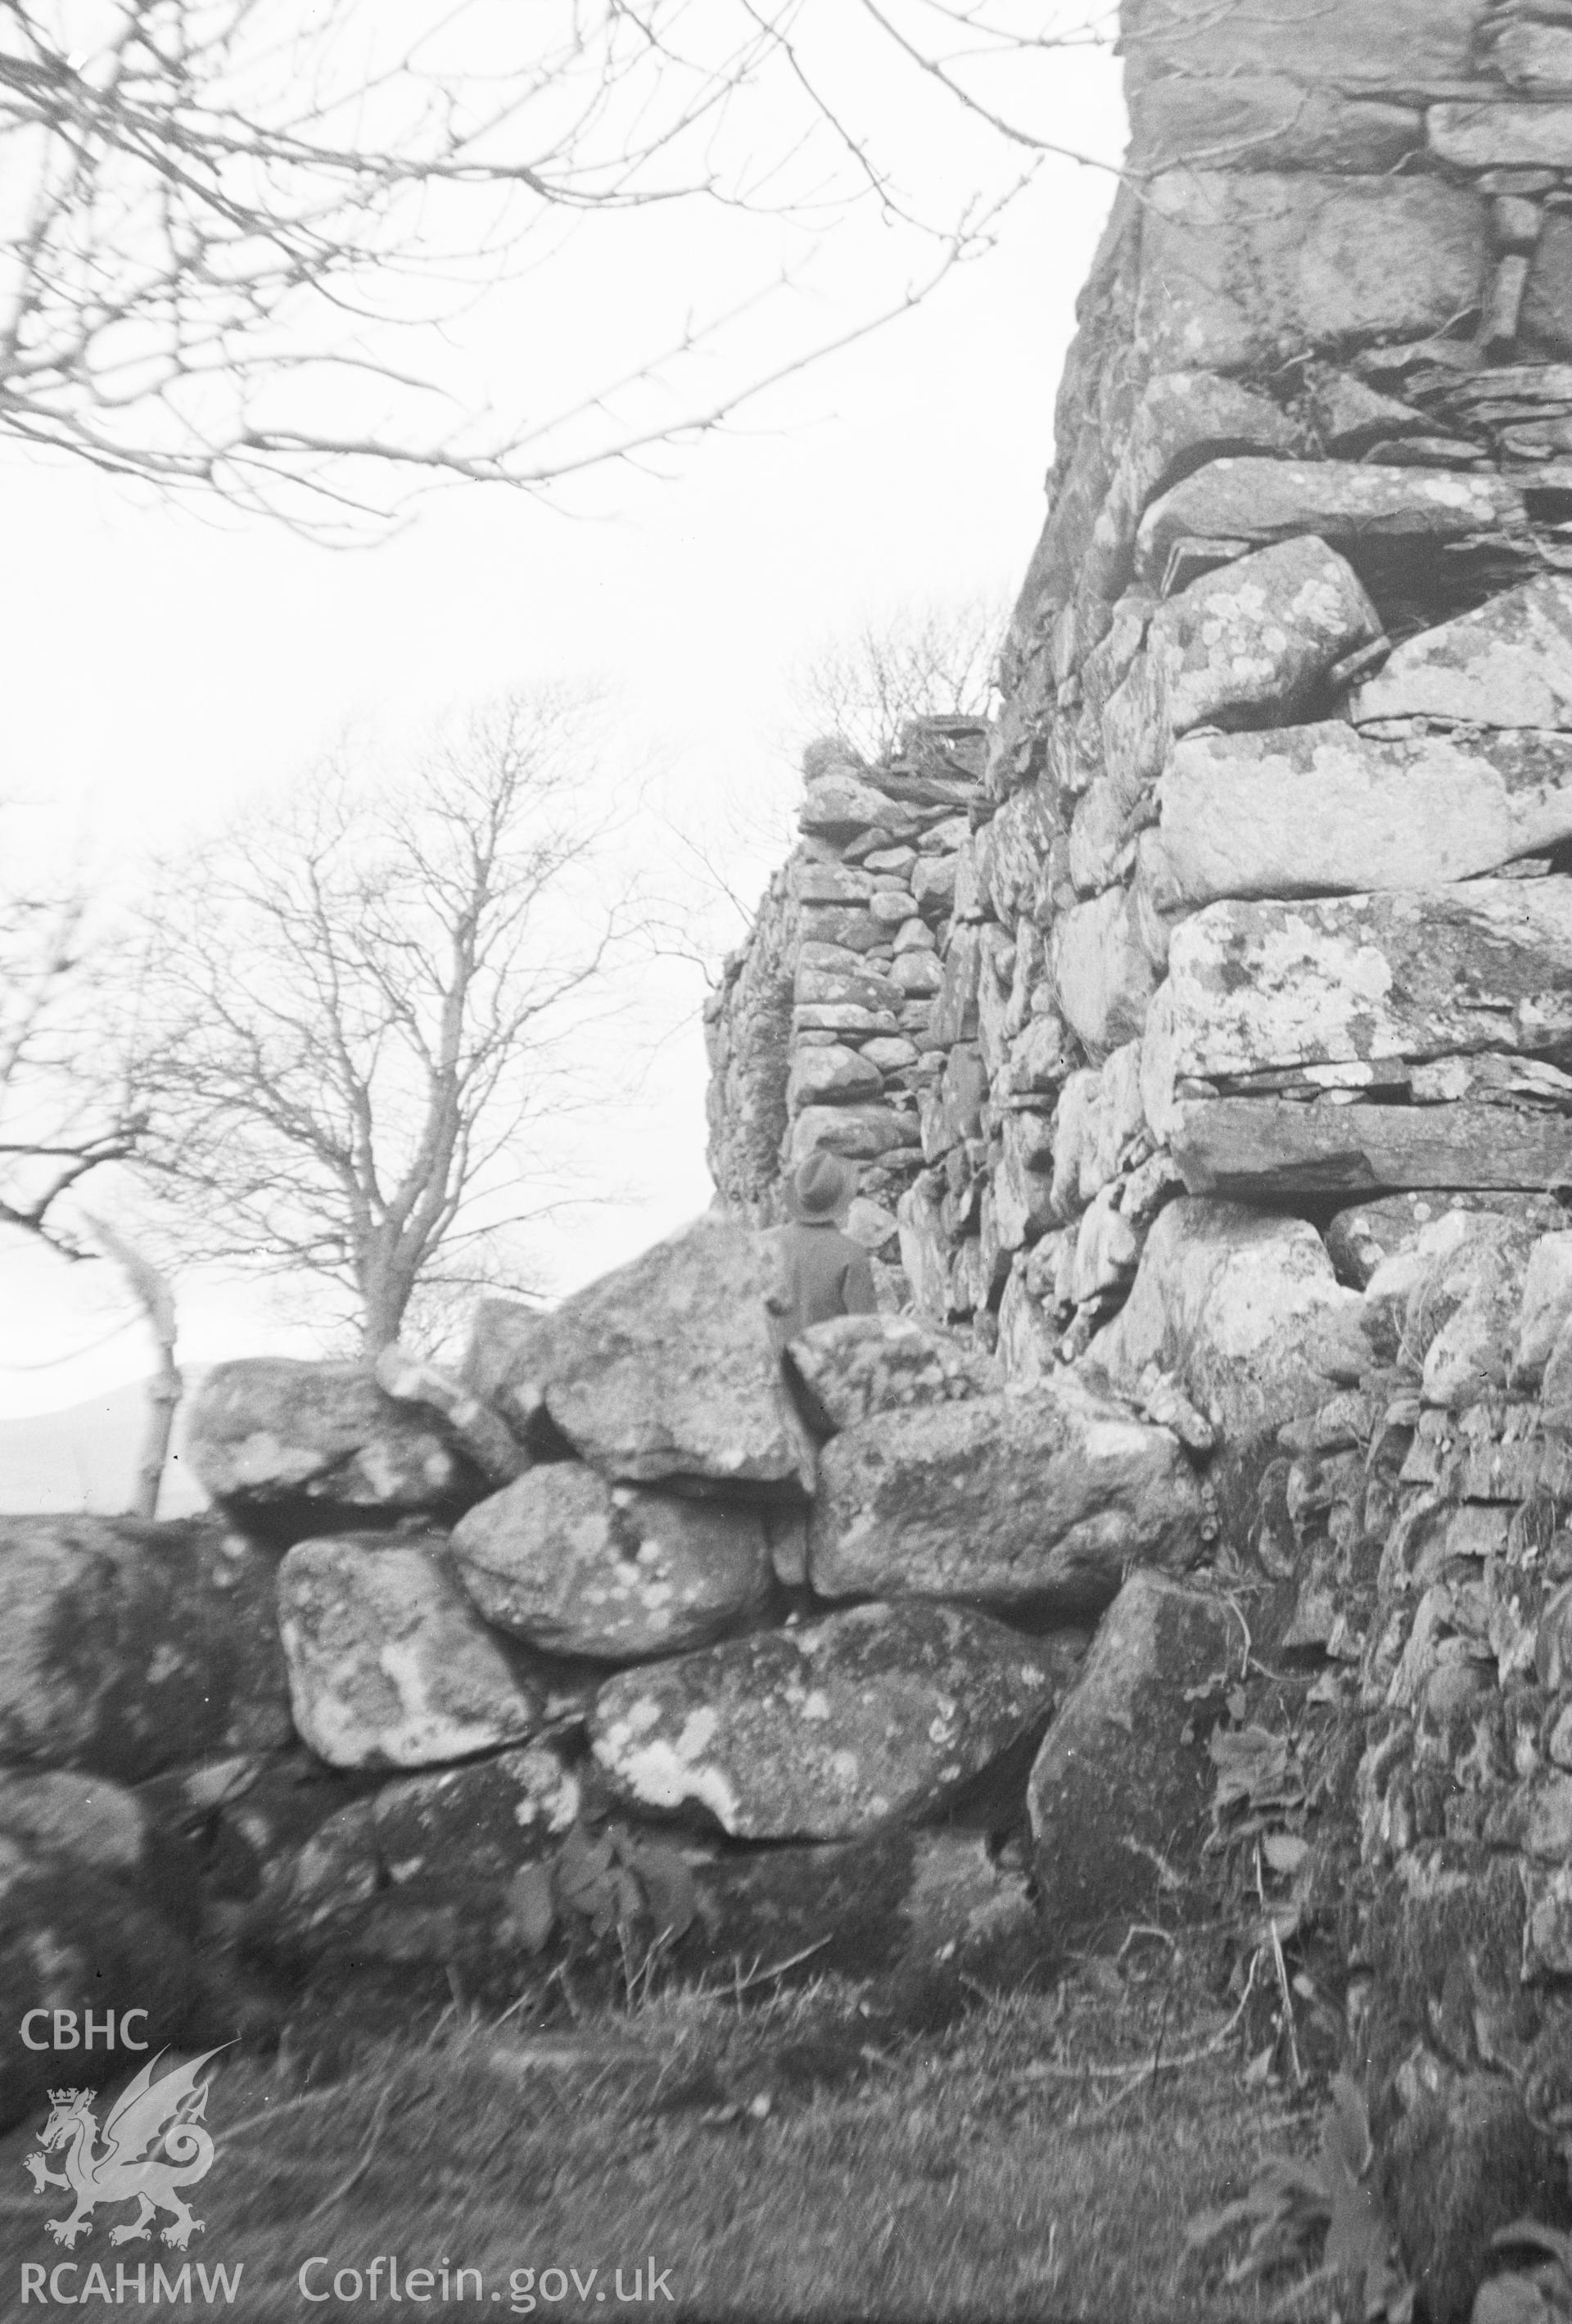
(223, 222)
(68, 1106)
(915, 661)
(155, 1295)
(373, 998)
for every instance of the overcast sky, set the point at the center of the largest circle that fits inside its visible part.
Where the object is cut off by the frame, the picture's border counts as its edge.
(163, 665)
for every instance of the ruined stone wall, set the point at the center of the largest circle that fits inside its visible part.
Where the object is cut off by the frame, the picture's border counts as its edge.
(1245, 1087)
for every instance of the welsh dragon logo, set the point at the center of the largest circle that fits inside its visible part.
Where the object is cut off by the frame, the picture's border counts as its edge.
(154, 2145)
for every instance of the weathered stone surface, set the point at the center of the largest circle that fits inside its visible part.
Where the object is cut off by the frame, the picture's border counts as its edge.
(811, 881)
(75, 1936)
(1343, 502)
(1465, 2161)
(1547, 308)
(1036, 1498)
(857, 1365)
(1545, 1306)
(1248, 269)
(1407, 45)
(1530, 54)
(1182, 417)
(577, 1566)
(1265, 121)
(1243, 1309)
(746, 1025)
(1322, 809)
(822, 1732)
(1509, 663)
(478, 1433)
(1012, 850)
(389, 1665)
(1262, 1147)
(865, 989)
(1258, 635)
(1117, 1792)
(1462, 1315)
(126, 1647)
(860, 1133)
(849, 925)
(476, 1822)
(917, 971)
(1103, 975)
(1481, 964)
(665, 1367)
(832, 1076)
(1497, 135)
(841, 804)
(295, 1446)
(1363, 1237)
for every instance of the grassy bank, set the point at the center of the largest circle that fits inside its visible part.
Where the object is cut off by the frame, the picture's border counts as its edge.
(1041, 2158)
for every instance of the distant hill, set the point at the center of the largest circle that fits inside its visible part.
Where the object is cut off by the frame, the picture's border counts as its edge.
(85, 1458)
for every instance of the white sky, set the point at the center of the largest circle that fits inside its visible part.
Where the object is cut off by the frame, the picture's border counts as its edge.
(162, 666)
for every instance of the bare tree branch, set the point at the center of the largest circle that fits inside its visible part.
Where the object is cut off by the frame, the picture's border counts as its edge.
(225, 223)
(377, 998)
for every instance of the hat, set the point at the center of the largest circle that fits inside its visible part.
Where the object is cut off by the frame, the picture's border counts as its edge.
(819, 1186)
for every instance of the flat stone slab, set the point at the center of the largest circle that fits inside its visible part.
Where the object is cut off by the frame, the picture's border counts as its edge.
(828, 1732)
(1509, 663)
(1039, 1500)
(575, 1566)
(389, 1665)
(1481, 964)
(1320, 809)
(1343, 502)
(1246, 268)
(1262, 1147)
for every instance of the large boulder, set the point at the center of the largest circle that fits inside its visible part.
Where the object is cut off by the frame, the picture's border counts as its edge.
(291, 1448)
(822, 1732)
(76, 1935)
(1257, 636)
(1314, 810)
(1243, 1309)
(422, 1865)
(1038, 1499)
(1367, 981)
(853, 1366)
(1119, 1792)
(1508, 663)
(126, 1647)
(391, 1665)
(578, 1566)
(664, 1370)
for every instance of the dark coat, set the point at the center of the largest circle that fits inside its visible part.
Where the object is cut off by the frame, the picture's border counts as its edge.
(818, 1272)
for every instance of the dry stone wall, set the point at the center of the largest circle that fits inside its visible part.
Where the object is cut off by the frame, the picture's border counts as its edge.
(1247, 1088)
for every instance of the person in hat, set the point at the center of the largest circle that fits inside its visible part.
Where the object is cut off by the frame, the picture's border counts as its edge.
(820, 1270)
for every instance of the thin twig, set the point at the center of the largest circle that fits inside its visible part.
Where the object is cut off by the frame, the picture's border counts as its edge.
(763, 1975)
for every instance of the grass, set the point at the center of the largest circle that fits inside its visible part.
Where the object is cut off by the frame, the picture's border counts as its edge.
(794, 2160)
